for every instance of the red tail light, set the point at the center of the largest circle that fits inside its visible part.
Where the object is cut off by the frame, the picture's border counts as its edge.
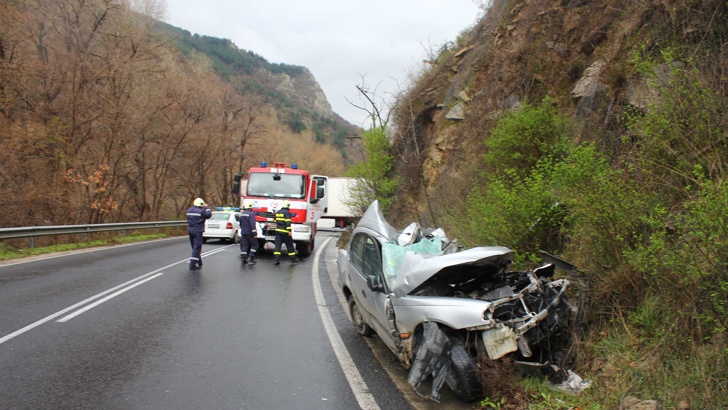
(229, 225)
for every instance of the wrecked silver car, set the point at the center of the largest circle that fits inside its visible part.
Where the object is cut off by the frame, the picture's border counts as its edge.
(445, 311)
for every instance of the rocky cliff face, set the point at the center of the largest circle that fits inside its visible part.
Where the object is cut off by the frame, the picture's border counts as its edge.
(304, 90)
(581, 54)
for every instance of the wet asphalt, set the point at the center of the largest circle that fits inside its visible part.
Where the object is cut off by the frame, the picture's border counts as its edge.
(132, 327)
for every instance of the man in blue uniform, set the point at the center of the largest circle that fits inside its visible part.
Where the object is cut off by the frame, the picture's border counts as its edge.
(196, 215)
(283, 233)
(248, 234)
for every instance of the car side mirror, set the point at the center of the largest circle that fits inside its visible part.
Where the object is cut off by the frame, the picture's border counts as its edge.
(374, 284)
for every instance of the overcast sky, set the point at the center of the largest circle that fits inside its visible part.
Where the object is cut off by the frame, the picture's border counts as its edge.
(338, 40)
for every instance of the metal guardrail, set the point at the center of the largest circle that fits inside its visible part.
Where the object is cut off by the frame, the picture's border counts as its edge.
(34, 231)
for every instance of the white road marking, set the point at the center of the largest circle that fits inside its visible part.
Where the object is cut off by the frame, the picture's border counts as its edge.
(113, 295)
(79, 304)
(130, 284)
(358, 386)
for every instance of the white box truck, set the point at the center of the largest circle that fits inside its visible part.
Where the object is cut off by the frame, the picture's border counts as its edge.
(338, 213)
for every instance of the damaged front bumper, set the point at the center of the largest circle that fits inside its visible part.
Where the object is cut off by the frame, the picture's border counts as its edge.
(531, 325)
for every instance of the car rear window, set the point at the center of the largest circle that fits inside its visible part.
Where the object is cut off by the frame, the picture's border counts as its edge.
(221, 217)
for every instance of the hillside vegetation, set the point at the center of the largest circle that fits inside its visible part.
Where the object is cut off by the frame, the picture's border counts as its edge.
(597, 131)
(108, 115)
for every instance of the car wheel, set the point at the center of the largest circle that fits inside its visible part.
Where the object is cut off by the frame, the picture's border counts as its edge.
(236, 237)
(361, 326)
(204, 240)
(463, 377)
(304, 248)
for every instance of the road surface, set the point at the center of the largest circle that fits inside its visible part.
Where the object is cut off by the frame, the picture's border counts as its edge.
(130, 327)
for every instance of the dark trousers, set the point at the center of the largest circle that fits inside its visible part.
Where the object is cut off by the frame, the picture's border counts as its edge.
(282, 238)
(196, 243)
(248, 244)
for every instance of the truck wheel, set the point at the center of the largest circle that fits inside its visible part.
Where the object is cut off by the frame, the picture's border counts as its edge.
(304, 248)
(462, 378)
(361, 326)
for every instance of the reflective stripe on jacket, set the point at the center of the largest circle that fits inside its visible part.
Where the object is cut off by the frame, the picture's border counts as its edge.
(283, 220)
(247, 222)
(196, 219)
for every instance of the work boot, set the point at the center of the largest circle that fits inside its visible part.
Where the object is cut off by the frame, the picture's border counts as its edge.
(245, 261)
(251, 260)
(277, 261)
(294, 259)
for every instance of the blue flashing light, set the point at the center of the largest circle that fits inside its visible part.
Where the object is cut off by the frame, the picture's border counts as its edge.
(227, 208)
(263, 164)
(294, 166)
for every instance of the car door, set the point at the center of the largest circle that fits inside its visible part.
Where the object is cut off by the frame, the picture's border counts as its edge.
(365, 257)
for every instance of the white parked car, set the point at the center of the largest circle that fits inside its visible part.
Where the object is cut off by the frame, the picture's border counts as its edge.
(223, 225)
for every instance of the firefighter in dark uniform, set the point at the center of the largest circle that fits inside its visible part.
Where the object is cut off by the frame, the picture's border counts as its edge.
(248, 235)
(196, 216)
(283, 233)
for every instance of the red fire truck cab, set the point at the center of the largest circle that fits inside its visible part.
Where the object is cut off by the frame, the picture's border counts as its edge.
(266, 187)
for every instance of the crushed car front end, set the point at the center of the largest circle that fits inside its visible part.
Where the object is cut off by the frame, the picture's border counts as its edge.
(446, 312)
(487, 311)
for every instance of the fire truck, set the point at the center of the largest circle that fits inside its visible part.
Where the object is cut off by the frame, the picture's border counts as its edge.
(267, 187)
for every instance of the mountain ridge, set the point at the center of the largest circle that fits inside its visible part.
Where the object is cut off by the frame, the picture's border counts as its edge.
(291, 89)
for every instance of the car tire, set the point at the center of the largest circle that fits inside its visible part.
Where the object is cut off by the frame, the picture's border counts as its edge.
(358, 320)
(236, 237)
(204, 240)
(304, 248)
(463, 377)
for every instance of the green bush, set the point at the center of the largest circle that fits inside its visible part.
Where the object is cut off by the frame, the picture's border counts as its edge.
(682, 128)
(686, 259)
(523, 138)
(514, 212)
(515, 204)
(605, 207)
(376, 177)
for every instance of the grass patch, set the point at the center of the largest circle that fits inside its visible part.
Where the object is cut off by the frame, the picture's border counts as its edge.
(8, 252)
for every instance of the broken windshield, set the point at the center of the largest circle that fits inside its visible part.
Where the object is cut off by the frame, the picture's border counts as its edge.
(268, 185)
(393, 254)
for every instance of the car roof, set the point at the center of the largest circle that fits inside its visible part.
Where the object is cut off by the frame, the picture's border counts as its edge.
(374, 221)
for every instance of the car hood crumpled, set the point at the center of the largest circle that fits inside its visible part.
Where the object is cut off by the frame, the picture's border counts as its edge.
(418, 268)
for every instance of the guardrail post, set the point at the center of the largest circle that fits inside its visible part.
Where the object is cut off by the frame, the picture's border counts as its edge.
(31, 242)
